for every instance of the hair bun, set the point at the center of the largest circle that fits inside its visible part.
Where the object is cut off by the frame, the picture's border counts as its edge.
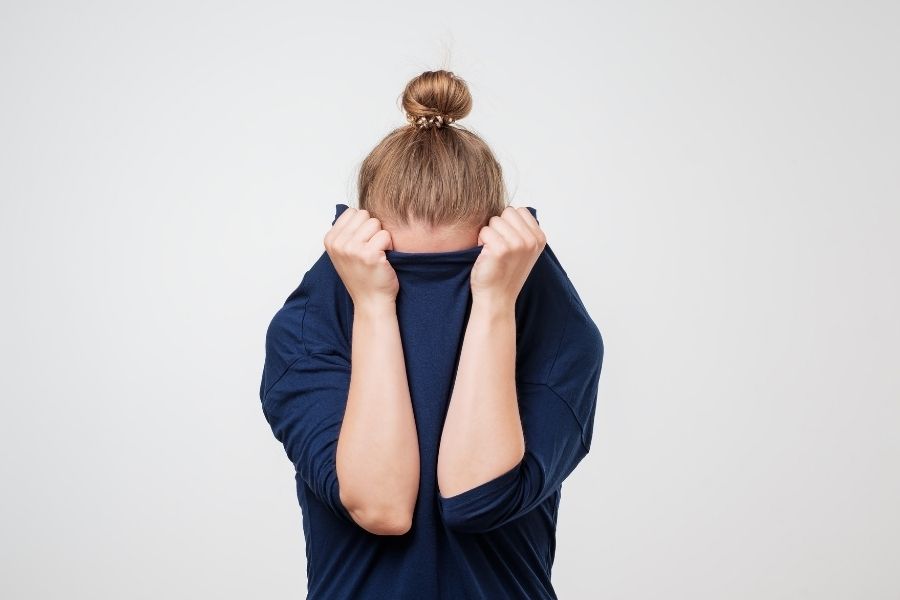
(435, 99)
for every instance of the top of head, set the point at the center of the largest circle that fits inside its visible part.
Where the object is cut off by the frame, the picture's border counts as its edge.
(433, 171)
(435, 99)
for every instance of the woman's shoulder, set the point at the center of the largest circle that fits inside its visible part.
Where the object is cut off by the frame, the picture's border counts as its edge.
(315, 316)
(552, 319)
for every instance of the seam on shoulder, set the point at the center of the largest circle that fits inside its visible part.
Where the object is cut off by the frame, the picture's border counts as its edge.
(562, 337)
(303, 327)
(574, 415)
(303, 355)
(303, 349)
(280, 377)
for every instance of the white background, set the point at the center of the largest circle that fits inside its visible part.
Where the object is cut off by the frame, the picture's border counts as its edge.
(720, 180)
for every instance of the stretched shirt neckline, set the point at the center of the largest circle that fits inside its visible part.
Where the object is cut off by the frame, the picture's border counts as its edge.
(397, 257)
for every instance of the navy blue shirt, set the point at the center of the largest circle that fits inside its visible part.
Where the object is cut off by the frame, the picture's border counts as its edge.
(494, 541)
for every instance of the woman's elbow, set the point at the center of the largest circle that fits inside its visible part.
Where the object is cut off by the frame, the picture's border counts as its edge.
(379, 520)
(383, 522)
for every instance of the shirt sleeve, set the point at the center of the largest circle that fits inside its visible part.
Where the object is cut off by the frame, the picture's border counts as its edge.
(305, 406)
(557, 419)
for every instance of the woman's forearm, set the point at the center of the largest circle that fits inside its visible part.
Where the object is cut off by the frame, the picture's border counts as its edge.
(378, 449)
(482, 436)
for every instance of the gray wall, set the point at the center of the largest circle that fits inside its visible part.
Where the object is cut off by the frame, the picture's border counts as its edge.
(719, 178)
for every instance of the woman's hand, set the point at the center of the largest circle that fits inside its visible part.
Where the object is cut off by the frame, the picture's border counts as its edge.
(512, 243)
(356, 244)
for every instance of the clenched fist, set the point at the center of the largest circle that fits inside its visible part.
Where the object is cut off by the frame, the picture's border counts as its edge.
(512, 243)
(356, 244)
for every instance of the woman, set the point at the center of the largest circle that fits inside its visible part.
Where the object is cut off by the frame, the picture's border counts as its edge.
(433, 378)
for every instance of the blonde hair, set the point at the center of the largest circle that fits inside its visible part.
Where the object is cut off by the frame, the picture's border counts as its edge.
(432, 169)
